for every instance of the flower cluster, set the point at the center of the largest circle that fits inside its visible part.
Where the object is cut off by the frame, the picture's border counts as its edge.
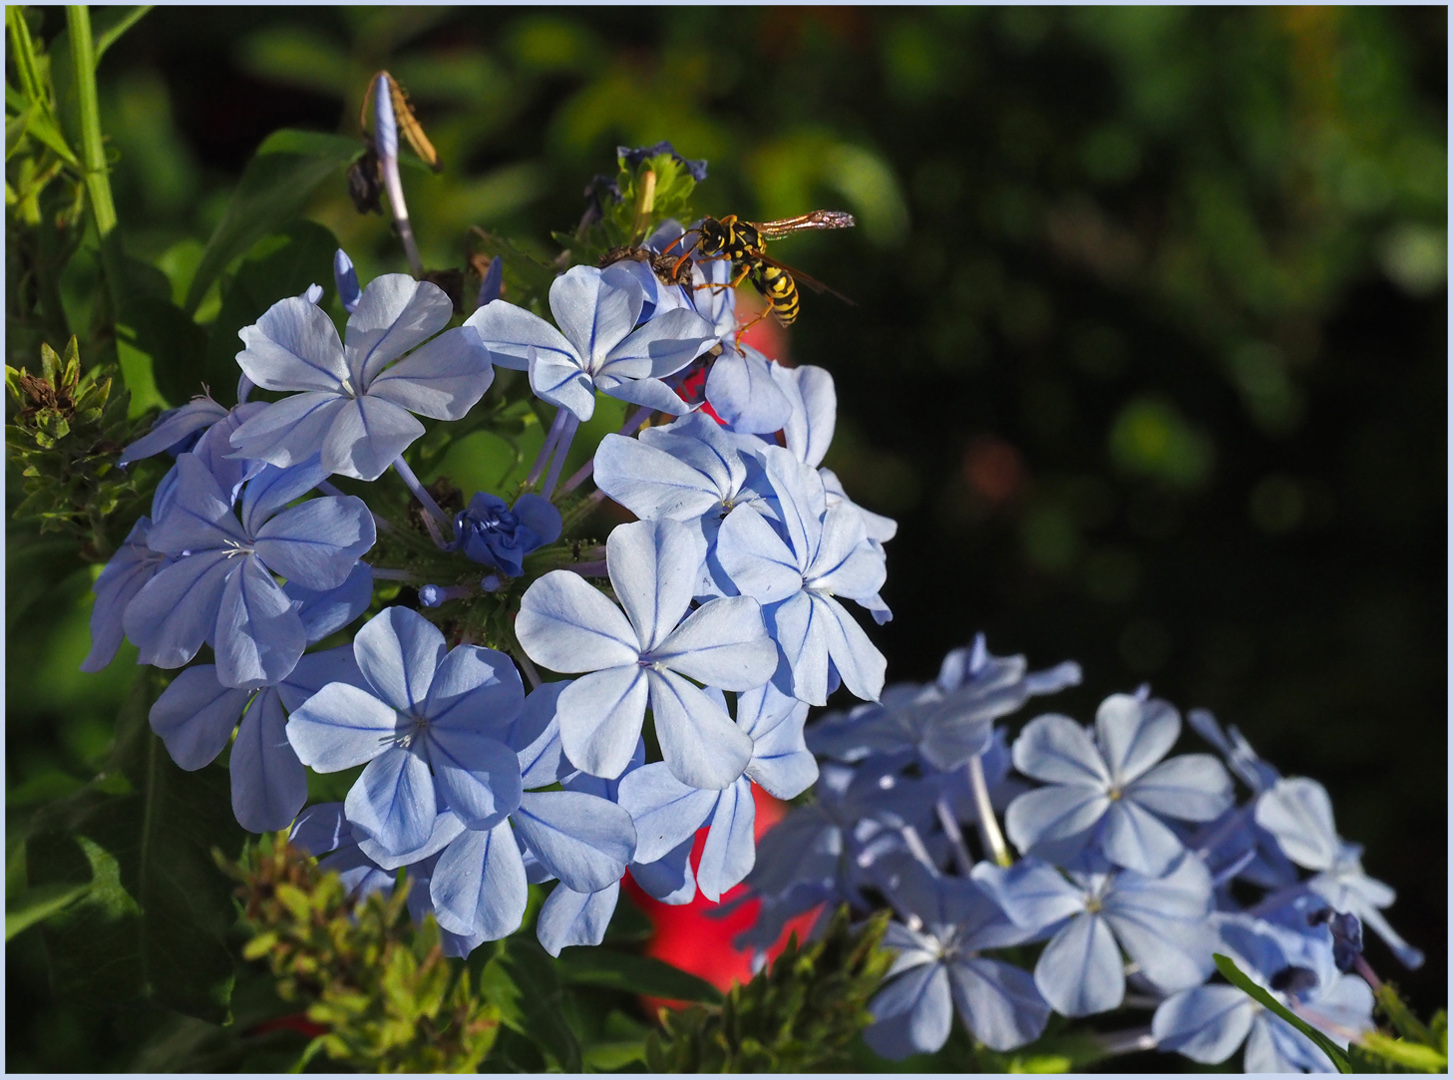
(719, 613)
(1134, 869)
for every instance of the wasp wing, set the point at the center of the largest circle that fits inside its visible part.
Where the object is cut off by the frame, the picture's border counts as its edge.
(818, 219)
(805, 279)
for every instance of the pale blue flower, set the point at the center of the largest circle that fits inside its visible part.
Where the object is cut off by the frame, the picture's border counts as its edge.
(1110, 791)
(357, 396)
(428, 727)
(649, 652)
(598, 345)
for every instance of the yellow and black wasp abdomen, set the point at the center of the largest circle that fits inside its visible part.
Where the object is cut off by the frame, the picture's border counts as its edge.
(781, 292)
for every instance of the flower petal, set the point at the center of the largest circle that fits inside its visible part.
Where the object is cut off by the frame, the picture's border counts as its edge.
(510, 332)
(1188, 787)
(442, 379)
(366, 435)
(582, 839)
(474, 689)
(912, 1014)
(1080, 971)
(479, 776)
(800, 634)
(395, 314)
(478, 885)
(259, 636)
(699, 742)
(594, 313)
(393, 800)
(665, 811)
(269, 783)
(756, 560)
(729, 852)
(600, 718)
(857, 660)
(177, 609)
(997, 1001)
(654, 566)
(341, 726)
(317, 543)
(195, 716)
(289, 432)
(1134, 734)
(723, 644)
(569, 626)
(572, 918)
(399, 651)
(1057, 750)
(1206, 1023)
(294, 346)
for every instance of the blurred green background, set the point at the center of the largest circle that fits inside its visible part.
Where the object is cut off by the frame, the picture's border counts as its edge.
(1148, 362)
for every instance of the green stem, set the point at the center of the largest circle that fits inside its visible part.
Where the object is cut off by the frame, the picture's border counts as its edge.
(23, 53)
(93, 149)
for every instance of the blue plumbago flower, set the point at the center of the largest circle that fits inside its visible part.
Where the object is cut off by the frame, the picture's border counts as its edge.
(357, 396)
(690, 470)
(576, 918)
(570, 626)
(1299, 815)
(493, 533)
(796, 570)
(130, 568)
(195, 716)
(939, 971)
(214, 448)
(668, 813)
(947, 722)
(831, 848)
(478, 886)
(598, 345)
(1208, 1023)
(1160, 922)
(221, 589)
(175, 430)
(1111, 791)
(634, 157)
(428, 726)
(741, 388)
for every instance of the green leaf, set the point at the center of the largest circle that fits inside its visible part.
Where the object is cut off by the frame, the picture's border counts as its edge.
(276, 267)
(633, 975)
(274, 187)
(34, 905)
(1234, 975)
(109, 23)
(157, 339)
(522, 981)
(153, 921)
(1408, 1055)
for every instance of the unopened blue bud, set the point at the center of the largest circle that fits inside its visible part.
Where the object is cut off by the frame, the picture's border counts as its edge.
(386, 130)
(490, 286)
(345, 279)
(430, 596)
(313, 293)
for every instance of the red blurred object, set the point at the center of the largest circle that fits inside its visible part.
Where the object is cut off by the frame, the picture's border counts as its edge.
(298, 1022)
(766, 335)
(694, 388)
(689, 937)
(994, 469)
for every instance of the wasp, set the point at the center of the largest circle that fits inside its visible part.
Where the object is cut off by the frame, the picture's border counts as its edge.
(742, 242)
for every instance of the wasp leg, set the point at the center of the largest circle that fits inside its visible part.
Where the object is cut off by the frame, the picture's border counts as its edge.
(738, 280)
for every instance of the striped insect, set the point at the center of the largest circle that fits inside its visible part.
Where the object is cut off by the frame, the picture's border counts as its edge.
(742, 243)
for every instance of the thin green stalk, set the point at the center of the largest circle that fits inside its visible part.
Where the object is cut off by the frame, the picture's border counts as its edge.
(23, 53)
(93, 149)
